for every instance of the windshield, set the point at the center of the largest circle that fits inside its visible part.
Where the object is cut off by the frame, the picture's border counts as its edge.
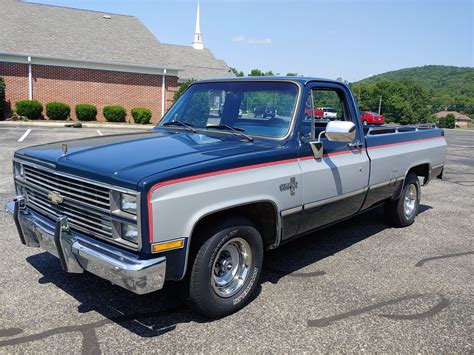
(254, 108)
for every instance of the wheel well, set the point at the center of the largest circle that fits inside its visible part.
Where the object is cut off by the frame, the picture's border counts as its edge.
(262, 214)
(421, 170)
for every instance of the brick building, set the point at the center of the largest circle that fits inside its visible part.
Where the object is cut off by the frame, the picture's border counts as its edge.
(51, 53)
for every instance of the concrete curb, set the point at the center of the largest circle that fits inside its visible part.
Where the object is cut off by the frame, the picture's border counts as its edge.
(84, 124)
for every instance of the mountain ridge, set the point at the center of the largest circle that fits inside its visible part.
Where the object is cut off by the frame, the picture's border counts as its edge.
(450, 87)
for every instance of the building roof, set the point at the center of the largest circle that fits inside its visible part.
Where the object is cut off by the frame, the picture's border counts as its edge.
(458, 116)
(67, 33)
(196, 63)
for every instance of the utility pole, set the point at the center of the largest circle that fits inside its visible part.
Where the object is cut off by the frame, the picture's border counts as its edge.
(380, 103)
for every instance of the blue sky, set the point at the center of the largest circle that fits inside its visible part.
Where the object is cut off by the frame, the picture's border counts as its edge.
(325, 38)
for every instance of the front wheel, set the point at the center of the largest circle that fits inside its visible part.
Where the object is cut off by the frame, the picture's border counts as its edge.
(402, 212)
(226, 269)
(365, 123)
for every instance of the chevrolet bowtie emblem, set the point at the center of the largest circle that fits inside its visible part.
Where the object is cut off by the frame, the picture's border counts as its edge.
(55, 197)
(64, 148)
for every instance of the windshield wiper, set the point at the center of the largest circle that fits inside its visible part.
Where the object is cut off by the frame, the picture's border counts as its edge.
(187, 125)
(236, 130)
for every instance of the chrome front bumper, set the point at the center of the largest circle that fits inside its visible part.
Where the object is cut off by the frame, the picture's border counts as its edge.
(78, 252)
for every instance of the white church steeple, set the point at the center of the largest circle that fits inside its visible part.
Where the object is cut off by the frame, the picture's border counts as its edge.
(197, 43)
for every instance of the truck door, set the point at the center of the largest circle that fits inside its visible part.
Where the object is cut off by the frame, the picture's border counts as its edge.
(335, 185)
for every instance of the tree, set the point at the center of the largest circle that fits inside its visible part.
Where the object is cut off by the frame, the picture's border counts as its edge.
(450, 88)
(256, 72)
(291, 74)
(182, 89)
(404, 102)
(449, 121)
(236, 72)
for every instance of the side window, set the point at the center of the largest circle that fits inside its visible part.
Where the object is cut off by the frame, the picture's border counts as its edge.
(324, 105)
(329, 106)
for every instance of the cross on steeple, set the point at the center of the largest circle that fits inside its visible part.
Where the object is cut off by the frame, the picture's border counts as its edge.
(197, 43)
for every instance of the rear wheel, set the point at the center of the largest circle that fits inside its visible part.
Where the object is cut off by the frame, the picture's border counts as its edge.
(226, 269)
(402, 212)
(365, 123)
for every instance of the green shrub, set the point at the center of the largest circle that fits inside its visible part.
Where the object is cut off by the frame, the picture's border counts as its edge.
(86, 112)
(115, 113)
(141, 115)
(2, 97)
(57, 111)
(449, 121)
(31, 109)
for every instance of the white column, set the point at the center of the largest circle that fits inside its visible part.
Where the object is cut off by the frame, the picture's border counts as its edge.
(30, 80)
(163, 89)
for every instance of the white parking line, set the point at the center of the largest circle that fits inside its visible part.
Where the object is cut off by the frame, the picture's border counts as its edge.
(461, 146)
(100, 133)
(23, 137)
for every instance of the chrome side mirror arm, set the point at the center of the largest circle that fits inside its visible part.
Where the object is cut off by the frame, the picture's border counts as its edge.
(317, 146)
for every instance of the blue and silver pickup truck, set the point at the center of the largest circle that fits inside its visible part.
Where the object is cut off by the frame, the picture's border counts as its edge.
(198, 198)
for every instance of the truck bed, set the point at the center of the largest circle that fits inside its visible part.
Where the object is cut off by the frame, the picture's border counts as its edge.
(395, 150)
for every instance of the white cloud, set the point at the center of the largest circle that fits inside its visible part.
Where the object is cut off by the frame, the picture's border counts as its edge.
(252, 40)
(239, 38)
(259, 41)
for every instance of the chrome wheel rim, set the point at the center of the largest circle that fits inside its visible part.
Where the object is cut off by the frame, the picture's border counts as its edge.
(409, 204)
(231, 267)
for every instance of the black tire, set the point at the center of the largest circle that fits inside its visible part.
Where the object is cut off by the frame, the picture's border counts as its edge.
(396, 211)
(202, 290)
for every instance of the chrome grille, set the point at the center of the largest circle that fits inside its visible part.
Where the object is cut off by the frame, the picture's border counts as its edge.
(73, 190)
(86, 205)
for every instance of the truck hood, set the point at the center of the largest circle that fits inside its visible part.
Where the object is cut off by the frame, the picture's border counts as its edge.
(126, 159)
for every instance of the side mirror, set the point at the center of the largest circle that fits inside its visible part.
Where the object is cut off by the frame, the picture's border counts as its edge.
(341, 131)
(337, 131)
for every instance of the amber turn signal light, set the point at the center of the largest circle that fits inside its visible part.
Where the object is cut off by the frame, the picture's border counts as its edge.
(174, 244)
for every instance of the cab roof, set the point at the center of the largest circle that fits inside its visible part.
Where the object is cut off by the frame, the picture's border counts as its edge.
(298, 79)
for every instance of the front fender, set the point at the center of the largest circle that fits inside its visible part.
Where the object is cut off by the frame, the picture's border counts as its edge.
(175, 208)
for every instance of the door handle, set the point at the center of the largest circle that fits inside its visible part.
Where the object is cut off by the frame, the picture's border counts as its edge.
(355, 145)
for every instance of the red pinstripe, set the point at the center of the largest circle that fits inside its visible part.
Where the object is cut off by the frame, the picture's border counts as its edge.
(249, 167)
(402, 143)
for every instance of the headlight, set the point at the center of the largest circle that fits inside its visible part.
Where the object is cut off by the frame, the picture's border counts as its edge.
(128, 203)
(130, 232)
(18, 170)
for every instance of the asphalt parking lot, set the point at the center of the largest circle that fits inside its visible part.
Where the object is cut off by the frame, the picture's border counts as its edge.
(358, 286)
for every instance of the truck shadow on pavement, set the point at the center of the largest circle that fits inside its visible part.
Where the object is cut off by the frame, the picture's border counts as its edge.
(158, 313)
(148, 315)
(297, 257)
